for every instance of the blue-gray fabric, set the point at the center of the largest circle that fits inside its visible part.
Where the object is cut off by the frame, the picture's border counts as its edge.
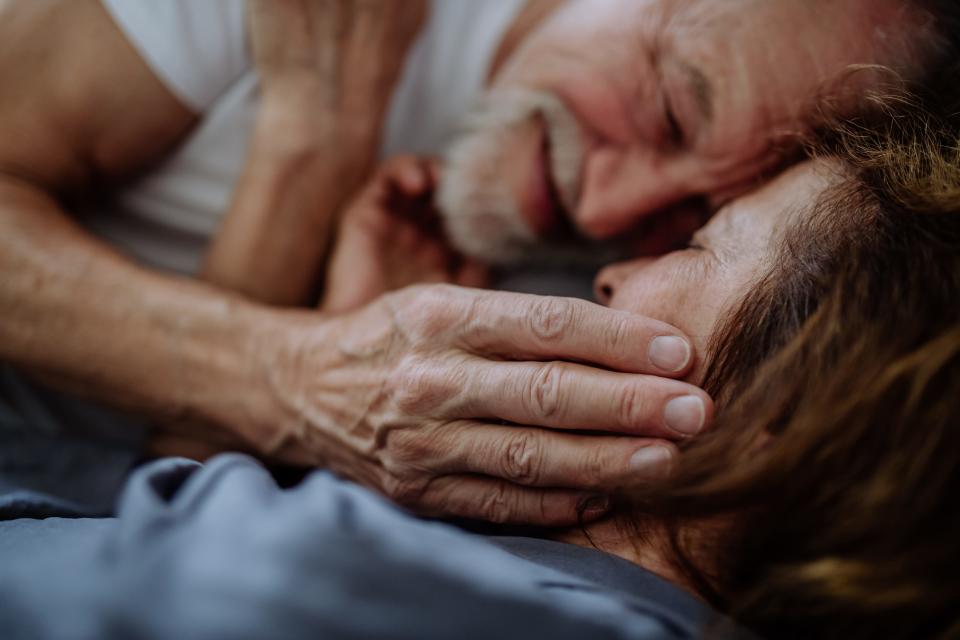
(70, 451)
(221, 551)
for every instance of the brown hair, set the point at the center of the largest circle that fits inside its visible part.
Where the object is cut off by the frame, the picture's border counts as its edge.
(836, 458)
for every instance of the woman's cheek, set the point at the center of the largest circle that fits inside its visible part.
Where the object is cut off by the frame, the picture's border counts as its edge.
(656, 295)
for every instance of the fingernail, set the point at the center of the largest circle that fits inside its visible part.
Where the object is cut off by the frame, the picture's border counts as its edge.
(593, 505)
(685, 414)
(669, 353)
(651, 462)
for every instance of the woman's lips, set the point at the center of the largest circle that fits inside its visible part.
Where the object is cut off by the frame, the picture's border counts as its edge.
(539, 206)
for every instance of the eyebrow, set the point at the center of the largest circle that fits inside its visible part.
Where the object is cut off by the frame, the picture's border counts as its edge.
(702, 89)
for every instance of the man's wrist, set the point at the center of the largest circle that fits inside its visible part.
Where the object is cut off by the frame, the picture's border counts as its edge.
(266, 404)
(300, 118)
(219, 375)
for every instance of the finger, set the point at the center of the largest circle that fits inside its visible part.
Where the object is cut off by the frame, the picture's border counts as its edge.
(409, 175)
(563, 395)
(524, 327)
(543, 458)
(492, 500)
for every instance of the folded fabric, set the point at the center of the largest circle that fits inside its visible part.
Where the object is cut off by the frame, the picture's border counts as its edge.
(220, 551)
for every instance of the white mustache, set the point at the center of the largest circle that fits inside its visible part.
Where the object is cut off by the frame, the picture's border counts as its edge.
(482, 216)
(510, 107)
(566, 149)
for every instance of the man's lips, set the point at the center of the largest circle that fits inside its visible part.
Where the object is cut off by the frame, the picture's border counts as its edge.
(540, 205)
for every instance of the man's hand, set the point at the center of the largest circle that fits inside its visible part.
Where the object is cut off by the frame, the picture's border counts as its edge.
(474, 403)
(391, 236)
(327, 69)
(347, 53)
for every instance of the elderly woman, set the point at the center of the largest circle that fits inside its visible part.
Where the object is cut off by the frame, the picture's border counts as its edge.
(823, 504)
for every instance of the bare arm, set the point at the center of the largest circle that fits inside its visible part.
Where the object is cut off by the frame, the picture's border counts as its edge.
(327, 71)
(273, 239)
(80, 111)
(436, 396)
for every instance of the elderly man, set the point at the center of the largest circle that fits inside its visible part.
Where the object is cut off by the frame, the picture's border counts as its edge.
(131, 132)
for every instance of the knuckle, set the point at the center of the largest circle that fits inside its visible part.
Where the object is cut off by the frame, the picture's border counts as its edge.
(435, 298)
(421, 384)
(483, 321)
(406, 449)
(495, 506)
(618, 335)
(632, 408)
(521, 460)
(543, 391)
(552, 318)
(442, 311)
(545, 511)
(594, 467)
(426, 310)
(407, 492)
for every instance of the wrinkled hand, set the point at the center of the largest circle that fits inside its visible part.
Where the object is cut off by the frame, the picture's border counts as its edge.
(462, 402)
(391, 236)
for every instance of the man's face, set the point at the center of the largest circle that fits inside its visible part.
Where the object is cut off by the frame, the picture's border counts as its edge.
(635, 117)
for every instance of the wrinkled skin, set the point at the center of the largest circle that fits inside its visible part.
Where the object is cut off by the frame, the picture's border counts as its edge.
(435, 428)
(379, 393)
(668, 109)
(358, 390)
(427, 390)
(695, 286)
(422, 425)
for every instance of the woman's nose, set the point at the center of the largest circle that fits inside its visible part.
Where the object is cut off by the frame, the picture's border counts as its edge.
(607, 282)
(611, 279)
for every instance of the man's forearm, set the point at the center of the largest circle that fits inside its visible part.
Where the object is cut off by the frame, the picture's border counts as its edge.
(75, 311)
(272, 243)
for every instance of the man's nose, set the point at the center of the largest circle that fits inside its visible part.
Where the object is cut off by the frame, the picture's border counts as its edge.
(623, 185)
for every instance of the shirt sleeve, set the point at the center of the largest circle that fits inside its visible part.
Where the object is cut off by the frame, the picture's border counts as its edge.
(198, 48)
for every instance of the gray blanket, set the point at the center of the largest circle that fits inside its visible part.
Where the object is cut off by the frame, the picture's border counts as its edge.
(220, 551)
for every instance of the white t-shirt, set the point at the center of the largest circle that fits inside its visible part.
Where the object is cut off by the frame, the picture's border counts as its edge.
(199, 49)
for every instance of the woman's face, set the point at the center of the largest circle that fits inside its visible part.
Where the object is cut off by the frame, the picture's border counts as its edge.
(692, 288)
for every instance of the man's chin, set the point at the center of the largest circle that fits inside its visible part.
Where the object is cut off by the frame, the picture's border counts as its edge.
(481, 237)
(481, 213)
(483, 222)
